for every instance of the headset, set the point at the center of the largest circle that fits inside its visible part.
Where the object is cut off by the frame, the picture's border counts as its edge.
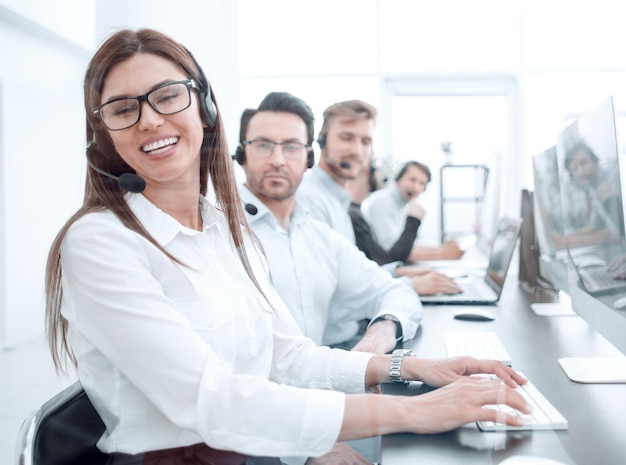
(240, 156)
(208, 111)
(321, 141)
(101, 147)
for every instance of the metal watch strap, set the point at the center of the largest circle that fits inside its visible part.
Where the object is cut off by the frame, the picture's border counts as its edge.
(396, 363)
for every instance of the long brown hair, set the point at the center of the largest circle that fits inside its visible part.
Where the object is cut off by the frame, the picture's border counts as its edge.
(102, 193)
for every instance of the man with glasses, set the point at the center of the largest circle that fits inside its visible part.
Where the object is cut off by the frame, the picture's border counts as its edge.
(327, 283)
(329, 286)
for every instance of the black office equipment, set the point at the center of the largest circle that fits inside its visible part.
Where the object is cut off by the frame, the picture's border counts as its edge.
(529, 275)
(63, 431)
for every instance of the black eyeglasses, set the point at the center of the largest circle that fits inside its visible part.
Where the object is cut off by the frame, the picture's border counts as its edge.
(167, 99)
(262, 148)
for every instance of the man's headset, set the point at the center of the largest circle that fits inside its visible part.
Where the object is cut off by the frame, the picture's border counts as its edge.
(101, 148)
(321, 141)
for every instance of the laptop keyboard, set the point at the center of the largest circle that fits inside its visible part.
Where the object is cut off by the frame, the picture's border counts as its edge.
(477, 288)
(599, 279)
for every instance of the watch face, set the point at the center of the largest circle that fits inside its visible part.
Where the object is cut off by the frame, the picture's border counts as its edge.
(402, 351)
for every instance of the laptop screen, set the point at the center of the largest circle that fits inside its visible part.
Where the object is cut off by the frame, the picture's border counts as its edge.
(502, 249)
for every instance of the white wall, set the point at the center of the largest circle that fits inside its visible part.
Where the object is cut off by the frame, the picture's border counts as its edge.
(564, 57)
(207, 28)
(41, 124)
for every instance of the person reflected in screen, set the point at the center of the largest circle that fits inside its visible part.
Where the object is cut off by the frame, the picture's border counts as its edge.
(161, 301)
(593, 214)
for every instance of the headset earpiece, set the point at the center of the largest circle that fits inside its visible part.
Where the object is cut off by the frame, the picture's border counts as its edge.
(321, 141)
(208, 110)
(240, 154)
(102, 145)
(310, 158)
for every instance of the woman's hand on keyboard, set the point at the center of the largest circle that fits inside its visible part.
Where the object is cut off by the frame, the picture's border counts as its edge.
(439, 372)
(462, 402)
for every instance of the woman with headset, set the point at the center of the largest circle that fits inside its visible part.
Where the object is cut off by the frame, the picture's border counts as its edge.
(162, 302)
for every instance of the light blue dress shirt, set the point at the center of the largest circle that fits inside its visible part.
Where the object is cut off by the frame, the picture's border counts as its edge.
(326, 201)
(326, 282)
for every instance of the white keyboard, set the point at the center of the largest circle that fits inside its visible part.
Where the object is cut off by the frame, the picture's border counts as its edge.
(543, 417)
(478, 344)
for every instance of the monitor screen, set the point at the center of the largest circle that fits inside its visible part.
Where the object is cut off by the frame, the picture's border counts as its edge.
(593, 225)
(548, 219)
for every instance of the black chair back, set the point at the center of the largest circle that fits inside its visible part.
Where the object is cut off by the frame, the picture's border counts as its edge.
(64, 431)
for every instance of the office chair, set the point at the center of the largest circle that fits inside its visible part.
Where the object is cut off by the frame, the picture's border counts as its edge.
(63, 431)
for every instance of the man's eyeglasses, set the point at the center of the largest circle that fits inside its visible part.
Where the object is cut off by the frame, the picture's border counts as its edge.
(167, 99)
(260, 148)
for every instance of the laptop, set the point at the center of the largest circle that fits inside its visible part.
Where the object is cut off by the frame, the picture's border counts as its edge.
(594, 275)
(486, 289)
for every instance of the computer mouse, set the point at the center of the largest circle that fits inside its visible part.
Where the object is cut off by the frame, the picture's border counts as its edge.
(529, 460)
(620, 303)
(474, 314)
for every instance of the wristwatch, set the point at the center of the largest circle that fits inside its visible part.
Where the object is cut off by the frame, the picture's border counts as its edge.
(396, 363)
(396, 321)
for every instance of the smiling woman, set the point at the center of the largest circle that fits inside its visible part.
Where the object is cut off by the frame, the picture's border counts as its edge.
(161, 146)
(162, 300)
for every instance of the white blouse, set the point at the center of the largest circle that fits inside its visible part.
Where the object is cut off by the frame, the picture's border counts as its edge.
(172, 355)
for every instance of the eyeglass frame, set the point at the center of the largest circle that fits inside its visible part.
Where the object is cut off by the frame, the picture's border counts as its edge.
(307, 147)
(189, 84)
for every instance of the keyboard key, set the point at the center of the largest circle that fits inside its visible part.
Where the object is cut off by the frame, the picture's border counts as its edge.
(543, 417)
(477, 344)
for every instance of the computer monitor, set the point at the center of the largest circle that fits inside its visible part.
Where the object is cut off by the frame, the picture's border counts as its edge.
(593, 223)
(548, 218)
(548, 228)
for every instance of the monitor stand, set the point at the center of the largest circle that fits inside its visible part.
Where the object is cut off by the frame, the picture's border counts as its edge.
(594, 370)
(561, 308)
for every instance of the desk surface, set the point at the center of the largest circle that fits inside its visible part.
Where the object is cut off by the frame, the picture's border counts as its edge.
(596, 413)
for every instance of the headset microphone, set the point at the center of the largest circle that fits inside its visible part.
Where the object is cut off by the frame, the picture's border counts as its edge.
(340, 163)
(250, 208)
(127, 181)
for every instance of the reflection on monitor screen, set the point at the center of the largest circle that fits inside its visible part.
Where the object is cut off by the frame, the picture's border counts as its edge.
(502, 249)
(549, 219)
(593, 230)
